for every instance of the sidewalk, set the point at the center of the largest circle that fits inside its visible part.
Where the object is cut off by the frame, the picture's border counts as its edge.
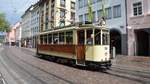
(30, 49)
(138, 63)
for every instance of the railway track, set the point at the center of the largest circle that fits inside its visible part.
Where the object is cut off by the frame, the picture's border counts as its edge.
(116, 73)
(46, 72)
(2, 80)
(134, 75)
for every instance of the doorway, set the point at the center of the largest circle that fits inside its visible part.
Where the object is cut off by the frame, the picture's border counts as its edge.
(115, 40)
(142, 42)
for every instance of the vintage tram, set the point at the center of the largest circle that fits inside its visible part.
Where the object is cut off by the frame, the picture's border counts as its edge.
(83, 44)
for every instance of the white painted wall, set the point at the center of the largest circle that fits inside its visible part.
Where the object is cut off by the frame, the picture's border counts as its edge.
(35, 21)
(114, 23)
(26, 22)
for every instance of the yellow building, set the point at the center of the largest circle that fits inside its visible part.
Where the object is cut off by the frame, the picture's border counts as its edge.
(56, 13)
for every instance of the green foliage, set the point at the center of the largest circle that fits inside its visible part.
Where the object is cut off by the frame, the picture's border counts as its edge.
(4, 25)
(90, 11)
(103, 11)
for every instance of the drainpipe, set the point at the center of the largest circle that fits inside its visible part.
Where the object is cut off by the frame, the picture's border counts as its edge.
(126, 25)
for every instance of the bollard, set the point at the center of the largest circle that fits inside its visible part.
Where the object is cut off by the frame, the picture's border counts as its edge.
(114, 52)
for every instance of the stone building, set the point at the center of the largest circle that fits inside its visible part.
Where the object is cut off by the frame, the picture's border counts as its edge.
(138, 27)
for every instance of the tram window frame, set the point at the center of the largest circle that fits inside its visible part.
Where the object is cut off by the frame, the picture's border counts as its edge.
(105, 38)
(61, 38)
(45, 39)
(55, 38)
(50, 39)
(89, 38)
(69, 37)
(41, 39)
(97, 36)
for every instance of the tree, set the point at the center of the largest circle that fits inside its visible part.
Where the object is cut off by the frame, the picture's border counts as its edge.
(90, 11)
(4, 25)
(103, 11)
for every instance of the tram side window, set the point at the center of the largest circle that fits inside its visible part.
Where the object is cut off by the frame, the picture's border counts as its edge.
(81, 37)
(50, 38)
(69, 37)
(97, 37)
(105, 39)
(89, 39)
(45, 39)
(61, 38)
(55, 38)
(41, 39)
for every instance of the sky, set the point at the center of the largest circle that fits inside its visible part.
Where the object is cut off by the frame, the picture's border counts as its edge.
(14, 9)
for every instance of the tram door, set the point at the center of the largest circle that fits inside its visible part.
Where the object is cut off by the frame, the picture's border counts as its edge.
(80, 48)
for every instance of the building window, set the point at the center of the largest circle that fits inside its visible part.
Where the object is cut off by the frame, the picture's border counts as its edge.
(86, 17)
(72, 5)
(108, 13)
(137, 8)
(117, 11)
(62, 13)
(62, 3)
(80, 18)
(99, 0)
(99, 13)
(85, 2)
(80, 3)
(94, 1)
(73, 16)
(62, 23)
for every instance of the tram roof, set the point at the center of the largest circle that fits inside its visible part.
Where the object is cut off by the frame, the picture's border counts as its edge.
(73, 27)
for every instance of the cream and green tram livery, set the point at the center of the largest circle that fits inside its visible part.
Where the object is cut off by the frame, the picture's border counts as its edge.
(84, 45)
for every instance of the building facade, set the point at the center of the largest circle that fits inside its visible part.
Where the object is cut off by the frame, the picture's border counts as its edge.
(26, 28)
(11, 36)
(115, 19)
(56, 13)
(18, 34)
(34, 24)
(138, 27)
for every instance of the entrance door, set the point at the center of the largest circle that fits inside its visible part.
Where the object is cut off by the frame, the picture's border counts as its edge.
(115, 40)
(80, 48)
(142, 38)
(80, 52)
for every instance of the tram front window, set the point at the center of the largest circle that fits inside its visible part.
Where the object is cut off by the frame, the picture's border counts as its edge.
(105, 37)
(97, 37)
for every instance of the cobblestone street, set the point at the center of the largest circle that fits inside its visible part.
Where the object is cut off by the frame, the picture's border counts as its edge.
(21, 66)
